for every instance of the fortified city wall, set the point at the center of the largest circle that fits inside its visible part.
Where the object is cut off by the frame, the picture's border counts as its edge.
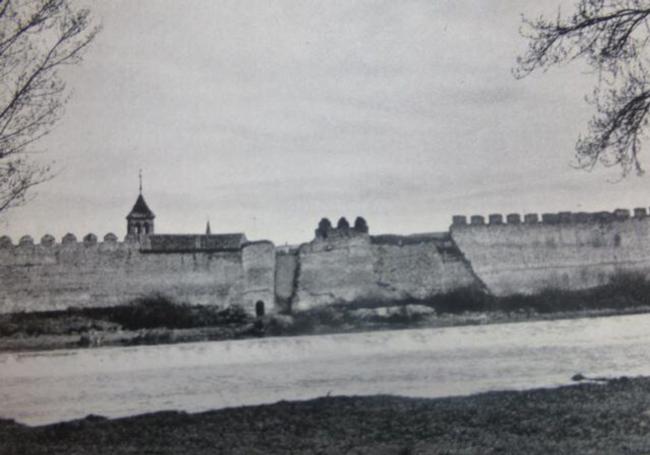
(347, 265)
(563, 250)
(343, 264)
(54, 276)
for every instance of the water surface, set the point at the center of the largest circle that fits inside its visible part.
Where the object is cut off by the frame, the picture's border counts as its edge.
(44, 387)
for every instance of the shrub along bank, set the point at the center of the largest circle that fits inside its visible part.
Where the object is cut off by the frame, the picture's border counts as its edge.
(157, 319)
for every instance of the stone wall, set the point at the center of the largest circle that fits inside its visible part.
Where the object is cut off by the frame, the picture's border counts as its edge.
(508, 254)
(55, 276)
(421, 269)
(286, 272)
(258, 261)
(380, 269)
(334, 271)
(564, 250)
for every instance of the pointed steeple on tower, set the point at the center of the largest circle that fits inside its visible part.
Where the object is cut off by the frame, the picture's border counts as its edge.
(140, 220)
(208, 231)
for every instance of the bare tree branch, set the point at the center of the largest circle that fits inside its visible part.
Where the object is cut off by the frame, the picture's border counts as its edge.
(37, 37)
(612, 37)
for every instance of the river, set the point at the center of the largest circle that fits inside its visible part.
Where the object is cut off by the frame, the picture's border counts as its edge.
(44, 387)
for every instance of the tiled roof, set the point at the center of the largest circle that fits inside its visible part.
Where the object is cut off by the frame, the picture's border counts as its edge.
(175, 243)
(141, 209)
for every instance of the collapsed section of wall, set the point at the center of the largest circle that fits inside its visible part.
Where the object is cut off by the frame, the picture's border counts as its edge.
(51, 276)
(562, 251)
(421, 266)
(376, 269)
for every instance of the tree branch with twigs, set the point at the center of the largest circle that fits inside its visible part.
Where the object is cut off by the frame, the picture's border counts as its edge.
(611, 36)
(37, 38)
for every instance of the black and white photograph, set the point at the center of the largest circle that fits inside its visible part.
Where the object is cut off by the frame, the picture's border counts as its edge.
(371, 227)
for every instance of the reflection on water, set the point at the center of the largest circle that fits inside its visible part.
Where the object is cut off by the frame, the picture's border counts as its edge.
(44, 387)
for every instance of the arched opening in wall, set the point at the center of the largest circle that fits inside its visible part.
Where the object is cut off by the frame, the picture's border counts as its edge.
(617, 240)
(259, 309)
(146, 228)
(137, 229)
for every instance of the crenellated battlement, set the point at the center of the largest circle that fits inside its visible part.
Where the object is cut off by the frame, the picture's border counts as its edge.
(51, 274)
(153, 243)
(91, 271)
(502, 253)
(325, 230)
(68, 241)
(497, 219)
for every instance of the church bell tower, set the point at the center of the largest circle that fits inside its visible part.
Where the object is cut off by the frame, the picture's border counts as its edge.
(140, 220)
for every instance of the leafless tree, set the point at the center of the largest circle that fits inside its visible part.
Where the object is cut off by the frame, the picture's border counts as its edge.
(37, 38)
(611, 36)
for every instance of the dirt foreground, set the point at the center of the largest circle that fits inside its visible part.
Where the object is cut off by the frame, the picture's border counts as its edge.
(588, 418)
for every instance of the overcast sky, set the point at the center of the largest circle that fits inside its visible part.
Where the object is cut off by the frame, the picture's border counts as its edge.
(265, 116)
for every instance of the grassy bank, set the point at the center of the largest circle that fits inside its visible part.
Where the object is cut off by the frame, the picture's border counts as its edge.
(152, 320)
(156, 319)
(610, 418)
(626, 293)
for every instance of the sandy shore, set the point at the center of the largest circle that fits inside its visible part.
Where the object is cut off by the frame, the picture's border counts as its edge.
(588, 418)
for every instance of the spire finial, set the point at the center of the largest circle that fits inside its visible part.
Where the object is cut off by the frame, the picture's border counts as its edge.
(140, 177)
(208, 231)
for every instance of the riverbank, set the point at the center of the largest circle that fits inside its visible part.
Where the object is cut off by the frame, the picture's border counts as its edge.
(158, 320)
(611, 417)
(281, 326)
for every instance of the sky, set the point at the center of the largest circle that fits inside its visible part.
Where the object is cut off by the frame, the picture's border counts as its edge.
(265, 116)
